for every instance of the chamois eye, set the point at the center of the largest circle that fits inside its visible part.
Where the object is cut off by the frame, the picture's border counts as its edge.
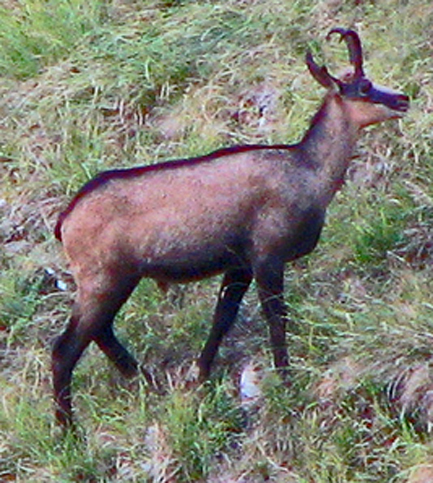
(364, 86)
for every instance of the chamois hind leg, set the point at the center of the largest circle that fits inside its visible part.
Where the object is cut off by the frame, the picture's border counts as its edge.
(234, 285)
(121, 358)
(66, 352)
(270, 282)
(92, 317)
(115, 351)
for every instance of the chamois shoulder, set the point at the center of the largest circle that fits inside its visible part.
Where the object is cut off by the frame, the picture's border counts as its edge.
(104, 177)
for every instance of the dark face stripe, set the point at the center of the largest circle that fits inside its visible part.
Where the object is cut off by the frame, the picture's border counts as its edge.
(376, 95)
(396, 101)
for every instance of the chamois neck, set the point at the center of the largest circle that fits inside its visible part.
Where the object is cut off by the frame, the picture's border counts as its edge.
(328, 144)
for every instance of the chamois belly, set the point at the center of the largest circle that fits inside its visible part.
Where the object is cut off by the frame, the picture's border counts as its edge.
(185, 263)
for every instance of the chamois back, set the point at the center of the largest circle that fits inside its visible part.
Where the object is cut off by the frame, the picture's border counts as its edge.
(106, 176)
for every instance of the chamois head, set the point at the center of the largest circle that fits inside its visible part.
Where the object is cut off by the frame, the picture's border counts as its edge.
(368, 102)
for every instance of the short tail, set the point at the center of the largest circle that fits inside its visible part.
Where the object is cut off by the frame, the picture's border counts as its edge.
(58, 227)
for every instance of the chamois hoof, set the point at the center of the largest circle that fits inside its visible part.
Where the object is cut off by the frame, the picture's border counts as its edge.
(152, 383)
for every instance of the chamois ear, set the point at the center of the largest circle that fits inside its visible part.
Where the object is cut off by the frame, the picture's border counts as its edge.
(321, 74)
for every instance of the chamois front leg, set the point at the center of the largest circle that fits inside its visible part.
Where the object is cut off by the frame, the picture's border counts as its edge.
(269, 275)
(235, 284)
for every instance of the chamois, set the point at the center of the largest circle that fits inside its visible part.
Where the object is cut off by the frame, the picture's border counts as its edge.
(243, 211)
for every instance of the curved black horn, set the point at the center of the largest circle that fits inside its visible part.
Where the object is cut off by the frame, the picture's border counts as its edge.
(321, 74)
(355, 49)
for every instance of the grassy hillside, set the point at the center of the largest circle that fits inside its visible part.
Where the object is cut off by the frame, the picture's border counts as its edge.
(88, 85)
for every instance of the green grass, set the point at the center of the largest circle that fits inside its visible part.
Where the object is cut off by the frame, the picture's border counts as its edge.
(39, 33)
(91, 85)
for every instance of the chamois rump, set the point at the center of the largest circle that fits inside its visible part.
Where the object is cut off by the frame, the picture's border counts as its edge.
(244, 211)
